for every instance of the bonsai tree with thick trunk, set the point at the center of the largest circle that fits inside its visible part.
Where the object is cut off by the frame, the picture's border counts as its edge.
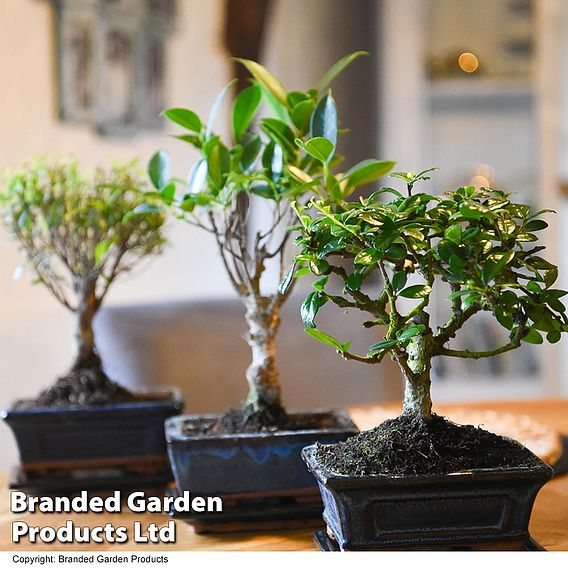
(79, 233)
(262, 168)
(391, 255)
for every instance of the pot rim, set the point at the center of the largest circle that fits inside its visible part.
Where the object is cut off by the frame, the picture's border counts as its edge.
(173, 400)
(174, 434)
(329, 477)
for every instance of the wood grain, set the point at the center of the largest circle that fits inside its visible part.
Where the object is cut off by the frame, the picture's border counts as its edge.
(549, 523)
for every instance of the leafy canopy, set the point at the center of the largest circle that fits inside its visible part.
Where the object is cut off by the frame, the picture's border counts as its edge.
(274, 157)
(75, 227)
(281, 152)
(478, 241)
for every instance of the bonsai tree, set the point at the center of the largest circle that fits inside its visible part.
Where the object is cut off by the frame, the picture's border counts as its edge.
(390, 257)
(79, 233)
(270, 165)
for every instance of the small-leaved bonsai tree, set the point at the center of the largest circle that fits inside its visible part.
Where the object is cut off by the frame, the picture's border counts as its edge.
(79, 233)
(270, 161)
(391, 255)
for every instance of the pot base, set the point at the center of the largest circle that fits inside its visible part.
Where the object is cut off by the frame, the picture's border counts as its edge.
(327, 544)
(254, 513)
(486, 509)
(74, 480)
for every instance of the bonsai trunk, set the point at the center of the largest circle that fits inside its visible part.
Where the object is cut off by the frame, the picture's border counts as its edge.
(85, 383)
(264, 398)
(417, 401)
(86, 357)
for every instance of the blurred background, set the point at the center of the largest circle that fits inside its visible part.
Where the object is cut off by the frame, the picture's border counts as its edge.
(478, 88)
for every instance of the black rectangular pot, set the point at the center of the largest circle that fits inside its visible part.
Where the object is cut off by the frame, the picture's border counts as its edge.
(129, 433)
(459, 510)
(263, 464)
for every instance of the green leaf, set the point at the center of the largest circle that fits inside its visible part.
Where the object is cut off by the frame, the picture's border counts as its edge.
(544, 320)
(540, 263)
(273, 160)
(354, 281)
(331, 246)
(457, 265)
(492, 268)
(141, 210)
(159, 169)
(471, 212)
(504, 317)
(332, 187)
(184, 117)
(535, 225)
(533, 287)
(287, 280)
(399, 281)
(556, 304)
(319, 266)
(101, 249)
(508, 298)
(250, 153)
(216, 107)
(470, 233)
(337, 68)
(366, 171)
(192, 139)
(301, 114)
(302, 272)
(533, 336)
(454, 234)
(411, 331)
(266, 78)
(218, 165)
(279, 132)
(168, 191)
(310, 307)
(367, 256)
(396, 251)
(294, 98)
(506, 226)
(197, 177)
(416, 291)
(446, 249)
(319, 148)
(299, 174)
(278, 109)
(553, 336)
(323, 122)
(550, 277)
(328, 339)
(458, 294)
(187, 203)
(320, 283)
(378, 348)
(244, 108)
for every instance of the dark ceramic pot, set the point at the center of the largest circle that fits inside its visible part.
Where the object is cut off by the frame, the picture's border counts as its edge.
(264, 464)
(125, 434)
(475, 509)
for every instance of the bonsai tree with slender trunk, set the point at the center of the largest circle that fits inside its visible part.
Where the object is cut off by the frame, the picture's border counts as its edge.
(268, 167)
(391, 255)
(79, 232)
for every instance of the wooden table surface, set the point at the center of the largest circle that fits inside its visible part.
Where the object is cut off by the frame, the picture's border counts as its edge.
(549, 522)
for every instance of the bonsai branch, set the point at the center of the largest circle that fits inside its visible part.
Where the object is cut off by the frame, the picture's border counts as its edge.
(362, 301)
(54, 287)
(467, 354)
(369, 360)
(455, 323)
